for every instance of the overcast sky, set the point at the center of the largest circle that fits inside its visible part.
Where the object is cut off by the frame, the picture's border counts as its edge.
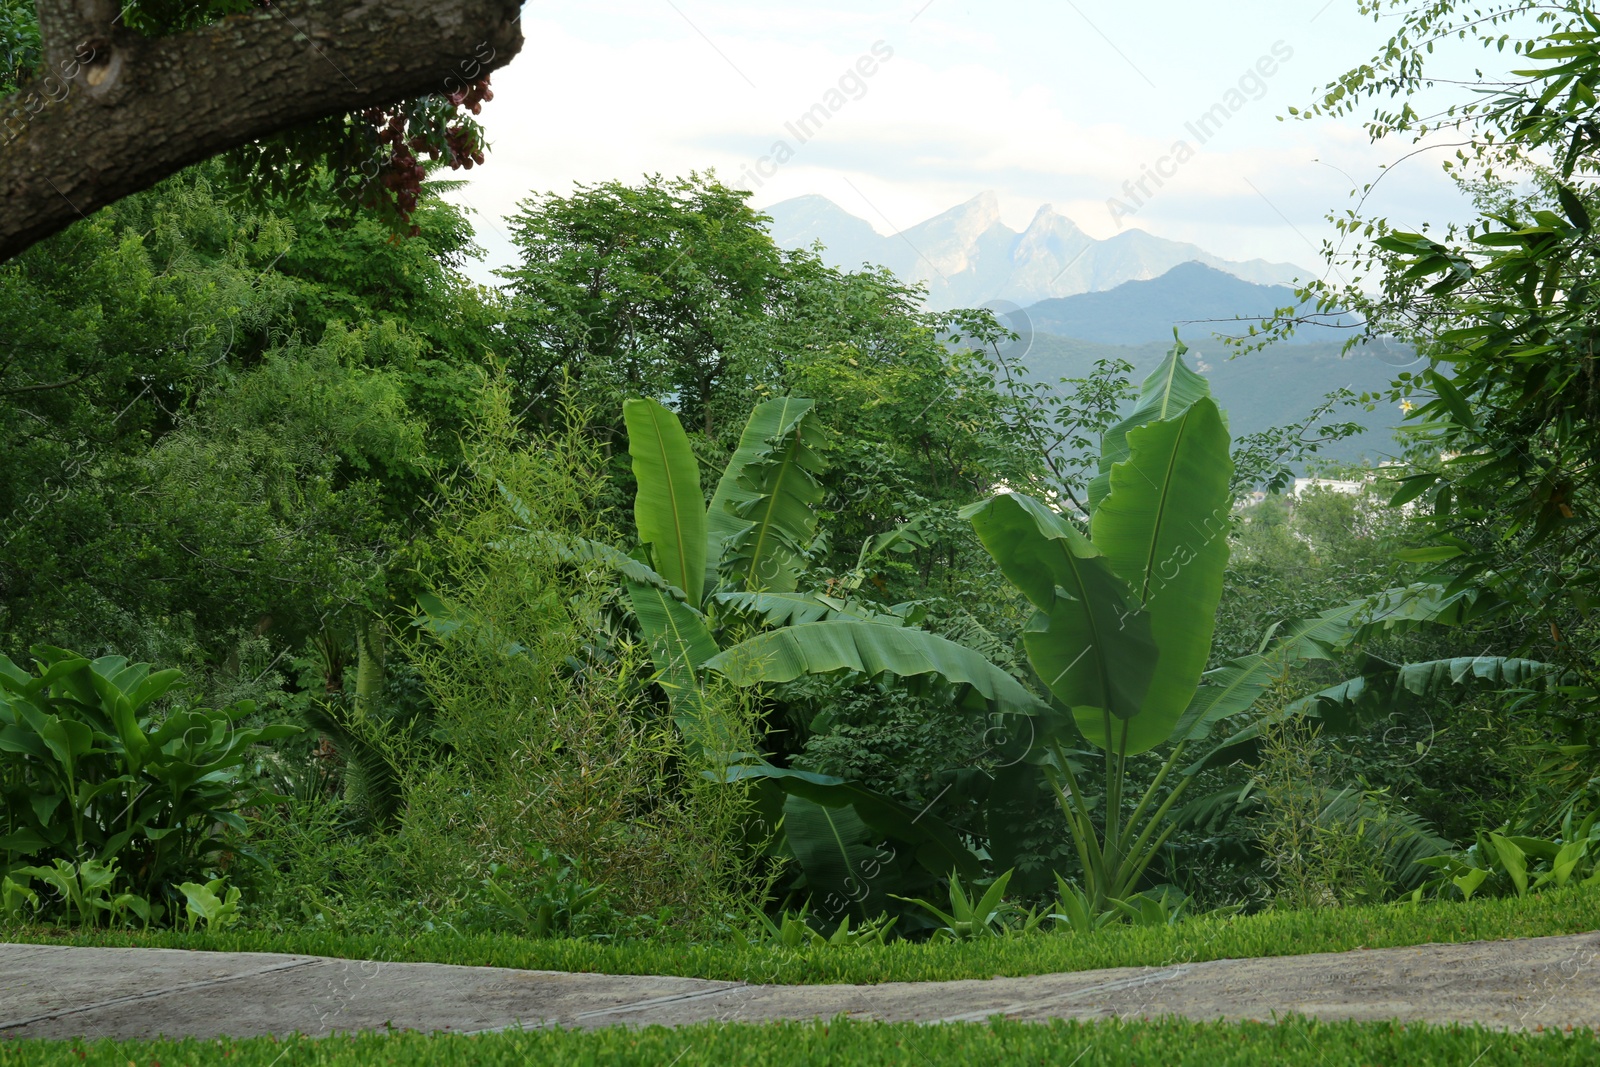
(1059, 102)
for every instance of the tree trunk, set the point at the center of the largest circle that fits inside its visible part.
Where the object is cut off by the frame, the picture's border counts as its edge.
(115, 112)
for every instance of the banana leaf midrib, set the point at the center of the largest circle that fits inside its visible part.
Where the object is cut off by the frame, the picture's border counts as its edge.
(676, 505)
(764, 526)
(1166, 389)
(833, 832)
(1101, 666)
(1164, 494)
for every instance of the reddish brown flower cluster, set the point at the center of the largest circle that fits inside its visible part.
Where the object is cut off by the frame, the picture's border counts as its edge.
(401, 174)
(474, 96)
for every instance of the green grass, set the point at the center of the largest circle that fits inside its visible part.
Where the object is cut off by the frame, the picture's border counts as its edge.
(1268, 934)
(1291, 1042)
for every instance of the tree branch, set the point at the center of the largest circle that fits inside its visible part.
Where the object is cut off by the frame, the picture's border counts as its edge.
(116, 112)
(65, 26)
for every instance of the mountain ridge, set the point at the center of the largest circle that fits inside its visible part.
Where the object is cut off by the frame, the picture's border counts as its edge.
(967, 256)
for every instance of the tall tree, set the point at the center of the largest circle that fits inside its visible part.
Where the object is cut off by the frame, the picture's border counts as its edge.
(1505, 416)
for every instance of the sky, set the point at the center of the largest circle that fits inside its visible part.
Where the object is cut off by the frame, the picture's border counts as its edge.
(931, 102)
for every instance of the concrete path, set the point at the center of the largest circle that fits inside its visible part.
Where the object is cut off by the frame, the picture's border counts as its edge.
(52, 991)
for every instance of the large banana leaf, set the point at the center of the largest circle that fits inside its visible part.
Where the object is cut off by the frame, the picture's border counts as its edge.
(1088, 641)
(1164, 530)
(584, 550)
(770, 419)
(871, 649)
(1382, 688)
(1234, 687)
(791, 609)
(935, 845)
(840, 855)
(1405, 608)
(680, 644)
(668, 507)
(1169, 389)
(763, 512)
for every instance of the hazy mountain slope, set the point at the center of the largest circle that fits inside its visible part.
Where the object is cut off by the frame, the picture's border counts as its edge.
(1197, 299)
(1257, 390)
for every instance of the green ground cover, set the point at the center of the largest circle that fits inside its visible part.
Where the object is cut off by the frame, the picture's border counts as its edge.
(1273, 933)
(1292, 1041)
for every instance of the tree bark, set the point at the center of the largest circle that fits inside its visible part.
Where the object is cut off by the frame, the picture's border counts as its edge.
(116, 112)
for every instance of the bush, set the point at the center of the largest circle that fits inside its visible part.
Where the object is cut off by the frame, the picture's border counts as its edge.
(545, 739)
(121, 800)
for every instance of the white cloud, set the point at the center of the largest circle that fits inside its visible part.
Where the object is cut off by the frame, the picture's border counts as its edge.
(1028, 99)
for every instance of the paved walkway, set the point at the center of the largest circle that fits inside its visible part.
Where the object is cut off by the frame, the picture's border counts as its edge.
(52, 991)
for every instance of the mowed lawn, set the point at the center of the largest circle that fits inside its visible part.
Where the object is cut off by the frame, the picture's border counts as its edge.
(1273, 933)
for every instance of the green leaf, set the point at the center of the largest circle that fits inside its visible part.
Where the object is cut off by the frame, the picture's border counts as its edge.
(680, 646)
(1168, 390)
(790, 609)
(870, 649)
(1453, 399)
(1088, 642)
(1512, 861)
(1411, 487)
(936, 845)
(1164, 529)
(1382, 688)
(1234, 687)
(1573, 206)
(1469, 882)
(12, 677)
(837, 852)
(68, 741)
(763, 512)
(583, 550)
(1430, 554)
(668, 507)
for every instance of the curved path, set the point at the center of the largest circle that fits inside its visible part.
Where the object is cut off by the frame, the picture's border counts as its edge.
(49, 991)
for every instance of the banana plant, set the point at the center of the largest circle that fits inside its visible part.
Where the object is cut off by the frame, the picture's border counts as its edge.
(1124, 613)
(704, 576)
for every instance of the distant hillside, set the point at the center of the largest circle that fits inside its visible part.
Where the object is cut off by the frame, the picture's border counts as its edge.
(1197, 299)
(1257, 390)
(967, 256)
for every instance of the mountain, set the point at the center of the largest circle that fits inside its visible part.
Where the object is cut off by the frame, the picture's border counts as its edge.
(968, 257)
(1196, 299)
(1256, 390)
(1063, 337)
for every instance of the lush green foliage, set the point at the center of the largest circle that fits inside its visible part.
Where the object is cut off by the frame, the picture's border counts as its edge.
(227, 417)
(109, 798)
(1123, 619)
(19, 44)
(745, 551)
(1502, 431)
(246, 439)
